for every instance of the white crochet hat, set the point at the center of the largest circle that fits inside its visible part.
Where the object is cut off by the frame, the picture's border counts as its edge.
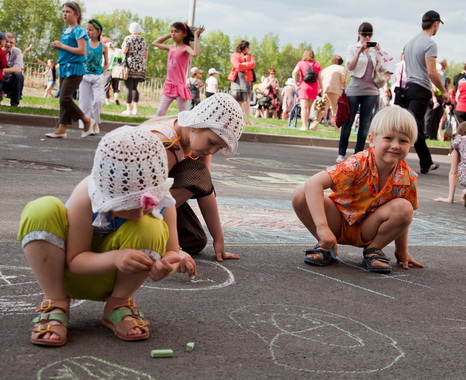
(221, 114)
(129, 162)
(134, 27)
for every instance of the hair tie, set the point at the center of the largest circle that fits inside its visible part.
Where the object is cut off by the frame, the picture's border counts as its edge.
(96, 24)
(185, 27)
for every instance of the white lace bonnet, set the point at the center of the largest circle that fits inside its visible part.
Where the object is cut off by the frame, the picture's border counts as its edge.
(221, 114)
(129, 162)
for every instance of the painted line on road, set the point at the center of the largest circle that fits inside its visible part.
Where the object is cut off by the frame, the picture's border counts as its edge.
(347, 283)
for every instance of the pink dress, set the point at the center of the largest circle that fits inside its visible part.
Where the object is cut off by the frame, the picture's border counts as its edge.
(308, 90)
(177, 67)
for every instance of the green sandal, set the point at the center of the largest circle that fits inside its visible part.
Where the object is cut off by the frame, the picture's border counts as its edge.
(42, 323)
(113, 318)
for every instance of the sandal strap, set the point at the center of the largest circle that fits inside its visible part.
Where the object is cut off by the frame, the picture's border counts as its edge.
(324, 254)
(117, 315)
(46, 315)
(375, 254)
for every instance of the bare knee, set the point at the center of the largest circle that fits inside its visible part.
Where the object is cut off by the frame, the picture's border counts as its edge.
(401, 210)
(298, 198)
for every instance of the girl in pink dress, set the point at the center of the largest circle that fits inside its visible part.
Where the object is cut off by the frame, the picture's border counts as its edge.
(307, 92)
(179, 55)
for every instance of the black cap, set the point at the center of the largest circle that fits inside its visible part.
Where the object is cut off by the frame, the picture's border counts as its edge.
(431, 16)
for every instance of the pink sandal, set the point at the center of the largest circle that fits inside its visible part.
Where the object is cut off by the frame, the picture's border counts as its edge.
(113, 318)
(42, 323)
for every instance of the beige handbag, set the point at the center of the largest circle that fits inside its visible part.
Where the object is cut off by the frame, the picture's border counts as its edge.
(120, 71)
(378, 74)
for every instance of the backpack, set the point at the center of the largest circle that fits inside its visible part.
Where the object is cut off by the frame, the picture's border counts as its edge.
(343, 110)
(310, 75)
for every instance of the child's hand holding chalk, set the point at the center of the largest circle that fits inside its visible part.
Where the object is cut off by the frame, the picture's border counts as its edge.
(163, 268)
(187, 264)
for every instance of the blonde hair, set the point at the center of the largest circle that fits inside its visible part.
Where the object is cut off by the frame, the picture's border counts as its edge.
(394, 119)
(308, 55)
(461, 130)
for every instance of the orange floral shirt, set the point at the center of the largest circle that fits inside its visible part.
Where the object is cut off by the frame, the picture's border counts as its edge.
(355, 185)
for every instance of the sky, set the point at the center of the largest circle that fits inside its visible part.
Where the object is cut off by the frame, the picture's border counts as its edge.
(311, 21)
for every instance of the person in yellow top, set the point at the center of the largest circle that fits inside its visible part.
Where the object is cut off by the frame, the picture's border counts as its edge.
(372, 200)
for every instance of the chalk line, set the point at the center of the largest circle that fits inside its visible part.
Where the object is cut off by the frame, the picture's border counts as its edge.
(347, 283)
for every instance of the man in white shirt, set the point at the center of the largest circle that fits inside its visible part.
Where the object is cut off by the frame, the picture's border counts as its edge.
(211, 83)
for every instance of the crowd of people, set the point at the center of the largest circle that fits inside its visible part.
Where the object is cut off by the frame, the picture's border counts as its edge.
(130, 219)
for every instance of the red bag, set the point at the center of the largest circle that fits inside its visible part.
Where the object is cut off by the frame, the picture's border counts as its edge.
(343, 110)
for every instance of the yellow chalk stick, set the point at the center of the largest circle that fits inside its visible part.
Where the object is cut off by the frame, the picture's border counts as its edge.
(168, 353)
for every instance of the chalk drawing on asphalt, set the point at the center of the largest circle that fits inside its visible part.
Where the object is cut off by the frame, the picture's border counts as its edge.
(270, 181)
(87, 368)
(311, 340)
(210, 275)
(347, 283)
(249, 221)
(24, 293)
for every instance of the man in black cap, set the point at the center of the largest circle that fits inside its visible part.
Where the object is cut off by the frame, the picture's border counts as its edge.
(420, 57)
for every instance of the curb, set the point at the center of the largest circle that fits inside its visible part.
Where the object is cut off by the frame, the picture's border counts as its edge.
(107, 126)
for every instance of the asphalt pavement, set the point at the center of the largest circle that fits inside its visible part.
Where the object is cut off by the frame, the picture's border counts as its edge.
(265, 316)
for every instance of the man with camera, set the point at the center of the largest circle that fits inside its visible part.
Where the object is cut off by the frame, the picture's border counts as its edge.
(420, 57)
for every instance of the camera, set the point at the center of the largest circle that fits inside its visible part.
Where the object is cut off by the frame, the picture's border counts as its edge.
(371, 44)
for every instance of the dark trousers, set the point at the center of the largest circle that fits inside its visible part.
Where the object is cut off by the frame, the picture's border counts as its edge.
(417, 101)
(366, 105)
(432, 120)
(461, 116)
(193, 176)
(13, 87)
(133, 93)
(114, 82)
(69, 110)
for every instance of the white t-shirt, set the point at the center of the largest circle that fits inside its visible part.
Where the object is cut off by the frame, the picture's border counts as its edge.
(211, 82)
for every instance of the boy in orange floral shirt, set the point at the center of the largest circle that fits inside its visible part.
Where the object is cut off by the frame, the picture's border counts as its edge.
(373, 200)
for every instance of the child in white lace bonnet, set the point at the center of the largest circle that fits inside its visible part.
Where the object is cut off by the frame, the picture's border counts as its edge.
(191, 139)
(117, 228)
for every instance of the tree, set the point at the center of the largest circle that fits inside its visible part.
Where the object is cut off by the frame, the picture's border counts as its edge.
(324, 55)
(215, 52)
(115, 26)
(36, 22)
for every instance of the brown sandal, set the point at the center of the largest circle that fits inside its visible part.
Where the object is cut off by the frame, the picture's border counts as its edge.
(113, 318)
(42, 323)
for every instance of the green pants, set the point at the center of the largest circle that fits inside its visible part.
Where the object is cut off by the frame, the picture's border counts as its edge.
(45, 219)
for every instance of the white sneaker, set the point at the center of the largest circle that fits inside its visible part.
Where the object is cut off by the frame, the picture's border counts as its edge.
(303, 128)
(340, 159)
(126, 113)
(134, 112)
(107, 102)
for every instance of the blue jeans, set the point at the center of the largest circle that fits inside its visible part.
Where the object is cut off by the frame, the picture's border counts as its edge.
(367, 104)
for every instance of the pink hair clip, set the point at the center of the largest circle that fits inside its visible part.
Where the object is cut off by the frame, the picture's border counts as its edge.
(148, 201)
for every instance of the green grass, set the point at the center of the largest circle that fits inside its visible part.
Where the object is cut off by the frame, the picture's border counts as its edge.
(33, 105)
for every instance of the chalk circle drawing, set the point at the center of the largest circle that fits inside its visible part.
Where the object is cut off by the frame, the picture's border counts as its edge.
(312, 340)
(24, 293)
(88, 367)
(210, 276)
